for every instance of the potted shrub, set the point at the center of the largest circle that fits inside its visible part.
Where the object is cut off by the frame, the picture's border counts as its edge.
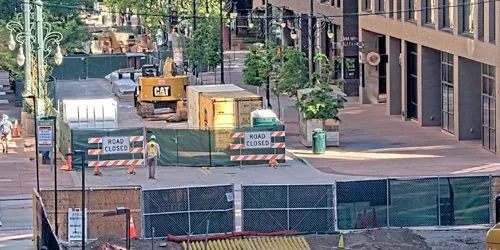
(320, 105)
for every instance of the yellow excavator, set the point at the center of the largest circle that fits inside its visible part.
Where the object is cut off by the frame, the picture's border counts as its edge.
(161, 96)
(493, 234)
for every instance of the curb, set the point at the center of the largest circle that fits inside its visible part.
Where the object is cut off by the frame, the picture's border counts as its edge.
(298, 158)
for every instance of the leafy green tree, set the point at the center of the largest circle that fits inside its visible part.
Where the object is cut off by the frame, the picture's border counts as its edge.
(256, 68)
(324, 101)
(292, 73)
(203, 48)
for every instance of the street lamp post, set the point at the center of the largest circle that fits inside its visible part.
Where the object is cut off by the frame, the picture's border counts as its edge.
(22, 34)
(268, 96)
(221, 44)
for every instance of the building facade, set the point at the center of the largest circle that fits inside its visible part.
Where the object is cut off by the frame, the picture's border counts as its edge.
(439, 62)
(329, 18)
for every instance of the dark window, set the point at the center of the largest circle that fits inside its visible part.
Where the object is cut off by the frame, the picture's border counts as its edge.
(447, 110)
(410, 7)
(391, 8)
(466, 17)
(399, 13)
(445, 14)
(338, 3)
(411, 77)
(488, 133)
(427, 10)
(492, 21)
(366, 4)
(379, 5)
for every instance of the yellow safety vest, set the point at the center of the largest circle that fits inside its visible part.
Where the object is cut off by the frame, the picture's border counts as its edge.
(152, 148)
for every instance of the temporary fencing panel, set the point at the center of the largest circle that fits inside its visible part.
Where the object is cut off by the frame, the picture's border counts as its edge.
(256, 140)
(96, 66)
(80, 141)
(306, 208)
(437, 201)
(133, 145)
(198, 147)
(362, 204)
(185, 211)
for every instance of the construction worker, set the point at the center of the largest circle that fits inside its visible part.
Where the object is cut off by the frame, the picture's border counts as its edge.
(6, 131)
(152, 155)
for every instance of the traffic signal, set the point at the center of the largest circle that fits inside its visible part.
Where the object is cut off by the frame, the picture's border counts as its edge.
(174, 18)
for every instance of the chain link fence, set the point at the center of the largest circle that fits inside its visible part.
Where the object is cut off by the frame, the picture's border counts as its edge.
(76, 67)
(436, 201)
(306, 208)
(188, 211)
(42, 229)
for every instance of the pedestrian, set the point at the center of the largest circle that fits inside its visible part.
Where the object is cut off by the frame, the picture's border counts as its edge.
(152, 155)
(6, 131)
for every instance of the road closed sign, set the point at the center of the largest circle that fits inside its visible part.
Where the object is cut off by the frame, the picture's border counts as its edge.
(116, 145)
(257, 139)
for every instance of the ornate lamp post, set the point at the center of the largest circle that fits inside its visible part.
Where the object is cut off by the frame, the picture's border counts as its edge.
(40, 34)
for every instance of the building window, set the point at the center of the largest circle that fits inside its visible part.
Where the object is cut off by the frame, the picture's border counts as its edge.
(466, 17)
(411, 80)
(488, 133)
(399, 14)
(492, 21)
(447, 120)
(410, 7)
(379, 7)
(446, 14)
(427, 12)
(338, 3)
(367, 4)
(391, 8)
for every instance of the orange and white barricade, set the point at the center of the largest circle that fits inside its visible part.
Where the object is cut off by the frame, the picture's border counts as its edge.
(258, 140)
(103, 149)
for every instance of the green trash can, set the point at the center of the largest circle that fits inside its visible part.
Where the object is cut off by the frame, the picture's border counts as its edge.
(319, 141)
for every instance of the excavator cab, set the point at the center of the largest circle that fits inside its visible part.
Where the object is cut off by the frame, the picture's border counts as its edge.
(161, 95)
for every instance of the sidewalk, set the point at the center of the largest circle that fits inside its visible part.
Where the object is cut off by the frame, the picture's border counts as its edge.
(374, 144)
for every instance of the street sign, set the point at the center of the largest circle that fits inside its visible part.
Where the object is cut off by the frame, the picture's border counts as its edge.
(178, 56)
(116, 145)
(257, 139)
(75, 224)
(45, 132)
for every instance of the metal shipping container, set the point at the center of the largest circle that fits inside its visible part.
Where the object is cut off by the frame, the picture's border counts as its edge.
(193, 99)
(227, 109)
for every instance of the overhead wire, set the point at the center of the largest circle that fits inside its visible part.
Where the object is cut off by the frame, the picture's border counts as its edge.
(319, 15)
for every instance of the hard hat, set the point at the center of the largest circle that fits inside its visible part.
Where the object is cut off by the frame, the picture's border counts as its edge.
(153, 137)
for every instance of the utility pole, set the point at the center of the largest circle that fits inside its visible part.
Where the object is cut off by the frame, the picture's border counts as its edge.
(221, 44)
(268, 98)
(311, 40)
(169, 28)
(194, 15)
(27, 48)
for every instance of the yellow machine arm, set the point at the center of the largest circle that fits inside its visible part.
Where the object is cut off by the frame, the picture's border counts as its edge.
(168, 68)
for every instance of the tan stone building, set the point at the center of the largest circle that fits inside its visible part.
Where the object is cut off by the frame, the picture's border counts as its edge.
(440, 63)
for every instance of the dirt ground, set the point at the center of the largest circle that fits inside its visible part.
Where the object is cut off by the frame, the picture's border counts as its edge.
(403, 239)
(387, 239)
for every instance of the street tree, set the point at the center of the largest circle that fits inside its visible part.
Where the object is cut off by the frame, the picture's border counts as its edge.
(292, 75)
(203, 49)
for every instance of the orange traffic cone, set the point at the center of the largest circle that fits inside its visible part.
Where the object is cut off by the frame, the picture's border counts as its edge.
(132, 232)
(364, 220)
(97, 171)
(15, 130)
(131, 170)
(69, 160)
(273, 163)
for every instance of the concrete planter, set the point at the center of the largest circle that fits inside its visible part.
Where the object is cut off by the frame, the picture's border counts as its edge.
(330, 126)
